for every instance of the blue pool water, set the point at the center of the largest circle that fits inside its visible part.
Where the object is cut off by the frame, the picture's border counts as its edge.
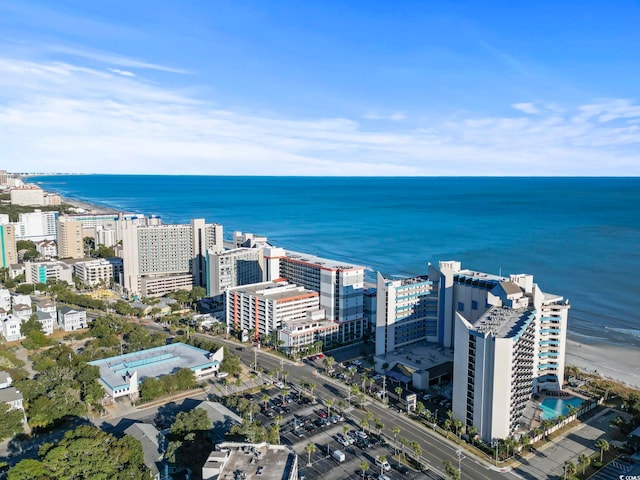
(554, 407)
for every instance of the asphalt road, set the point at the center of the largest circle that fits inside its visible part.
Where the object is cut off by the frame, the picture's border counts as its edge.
(435, 450)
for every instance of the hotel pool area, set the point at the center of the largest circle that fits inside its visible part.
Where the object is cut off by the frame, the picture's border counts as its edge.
(553, 407)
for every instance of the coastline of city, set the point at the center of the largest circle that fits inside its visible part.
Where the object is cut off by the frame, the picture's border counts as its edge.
(610, 362)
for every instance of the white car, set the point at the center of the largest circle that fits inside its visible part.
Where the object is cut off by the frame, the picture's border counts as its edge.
(383, 477)
(357, 363)
(279, 385)
(361, 434)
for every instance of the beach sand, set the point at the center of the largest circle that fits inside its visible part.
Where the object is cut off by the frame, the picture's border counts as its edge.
(89, 207)
(616, 363)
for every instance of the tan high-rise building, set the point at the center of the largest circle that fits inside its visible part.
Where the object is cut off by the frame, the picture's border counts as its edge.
(161, 258)
(70, 243)
(8, 252)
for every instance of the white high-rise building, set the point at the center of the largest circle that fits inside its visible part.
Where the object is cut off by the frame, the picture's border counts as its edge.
(406, 312)
(161, 258)
(94, 272)
(340, 284)
(509, 342)
(263, 307)
(37, 225)
(232, 268)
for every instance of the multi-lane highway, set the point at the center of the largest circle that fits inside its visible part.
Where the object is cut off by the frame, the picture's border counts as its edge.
(435, 449)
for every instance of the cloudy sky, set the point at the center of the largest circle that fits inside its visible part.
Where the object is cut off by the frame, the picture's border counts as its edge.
(270, 87)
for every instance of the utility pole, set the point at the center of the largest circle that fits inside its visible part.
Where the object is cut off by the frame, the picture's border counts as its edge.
(460, 458)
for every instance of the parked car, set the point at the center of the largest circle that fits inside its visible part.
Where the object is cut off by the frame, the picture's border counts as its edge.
(279, 385)
(362, 434)
(383, 464)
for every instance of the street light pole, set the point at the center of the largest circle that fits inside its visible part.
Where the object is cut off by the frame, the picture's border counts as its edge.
(460, 458)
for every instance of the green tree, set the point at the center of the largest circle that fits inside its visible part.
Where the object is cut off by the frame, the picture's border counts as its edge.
(452, 472)
(195, 420)
(35, 337)
(10, 421)
(584, 461)
(310, 449)
(86, 452)
(364, 467)
(603, 446)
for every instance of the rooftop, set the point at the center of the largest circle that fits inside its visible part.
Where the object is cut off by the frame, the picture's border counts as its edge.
(9, 394)
(321, 262)
(482, 275)
(504, 322)
(275, 290)
(153, 362)
(274, 462)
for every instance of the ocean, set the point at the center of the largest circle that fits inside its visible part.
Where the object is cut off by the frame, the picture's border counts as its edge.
(579, 237)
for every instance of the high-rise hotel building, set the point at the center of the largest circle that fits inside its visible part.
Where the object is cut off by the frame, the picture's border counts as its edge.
(162, 258)
(340, 284)
(509, 342)
(406, 312)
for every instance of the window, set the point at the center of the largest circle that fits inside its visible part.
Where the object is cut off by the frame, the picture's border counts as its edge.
(460, 307)
(474, 305)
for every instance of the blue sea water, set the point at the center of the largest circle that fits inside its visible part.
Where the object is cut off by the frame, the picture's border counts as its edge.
(579, 237)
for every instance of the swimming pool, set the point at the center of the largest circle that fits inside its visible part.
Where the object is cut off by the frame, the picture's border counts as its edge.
(554, 407)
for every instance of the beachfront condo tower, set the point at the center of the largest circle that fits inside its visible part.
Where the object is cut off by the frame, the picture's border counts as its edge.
(505, 350)
(340, 284)
(161, 258)
(8, 252)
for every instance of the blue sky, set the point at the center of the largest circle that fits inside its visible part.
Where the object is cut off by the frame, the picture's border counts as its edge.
(320, 87)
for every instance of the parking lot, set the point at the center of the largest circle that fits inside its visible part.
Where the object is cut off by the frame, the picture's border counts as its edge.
(303, 423)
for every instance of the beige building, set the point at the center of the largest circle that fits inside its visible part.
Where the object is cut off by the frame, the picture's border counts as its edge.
(160, 258)
(70, 244)
(28, 195)
(8, 252)
(265, 307)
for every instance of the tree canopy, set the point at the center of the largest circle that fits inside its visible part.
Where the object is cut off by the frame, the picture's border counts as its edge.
(86, 452)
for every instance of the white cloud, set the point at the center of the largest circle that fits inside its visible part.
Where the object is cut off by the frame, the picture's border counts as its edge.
(110, 58)
(529, 108)
(65, 117)
(395, 117)
(124, 73)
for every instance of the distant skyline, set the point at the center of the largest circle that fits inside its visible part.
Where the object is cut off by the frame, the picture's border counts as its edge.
(320, 88)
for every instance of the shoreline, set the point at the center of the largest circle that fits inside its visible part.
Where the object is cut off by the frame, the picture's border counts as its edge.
(615, 363)
(619, 364)
(90, 208)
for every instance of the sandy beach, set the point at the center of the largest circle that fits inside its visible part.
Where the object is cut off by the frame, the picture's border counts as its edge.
(616, 363)
(89, 207)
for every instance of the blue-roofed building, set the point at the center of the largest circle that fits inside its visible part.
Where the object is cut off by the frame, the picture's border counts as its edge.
(122, 375)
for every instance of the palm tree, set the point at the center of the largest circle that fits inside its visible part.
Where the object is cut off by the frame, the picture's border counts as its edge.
(457, 424)
(417, 449)
(452, 472)
(603, 445)
(382, 459)
(364, 466)
(345, 429)
(311, 387)
(583, 460)
(404, 442)
(329, 403)
(283, 393)
(379, 426)
(398, 391)
(364, 423)
(447, 426)
(396, 432)
(310, 449)
(276, 427)
(570, 468)
(364, 382)
(472, 431)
